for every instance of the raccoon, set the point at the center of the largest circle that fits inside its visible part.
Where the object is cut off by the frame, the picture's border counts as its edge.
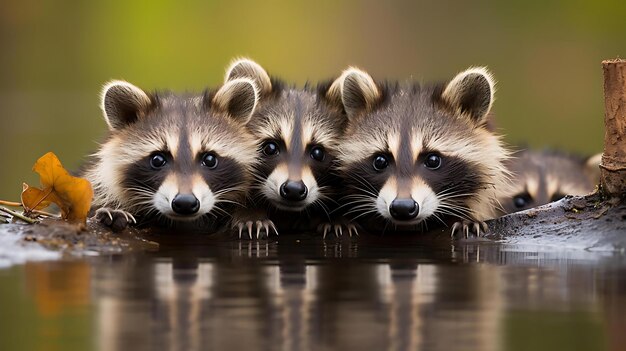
(172, 159)
(540, 177)
(417, 156)
(297, 132)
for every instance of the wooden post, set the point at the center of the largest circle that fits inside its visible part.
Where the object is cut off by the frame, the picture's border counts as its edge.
(613, 166)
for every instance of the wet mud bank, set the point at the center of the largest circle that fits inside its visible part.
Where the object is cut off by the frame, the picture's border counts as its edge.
(590, 222)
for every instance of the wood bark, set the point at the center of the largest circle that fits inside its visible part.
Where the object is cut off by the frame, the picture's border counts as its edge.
(613, 166)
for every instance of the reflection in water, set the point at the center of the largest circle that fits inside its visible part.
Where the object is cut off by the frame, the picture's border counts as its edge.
(242, 295)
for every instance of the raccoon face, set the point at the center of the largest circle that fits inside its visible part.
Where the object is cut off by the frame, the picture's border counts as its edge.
(541, 177)
(298, 132)
(175, 156)
(412, 153)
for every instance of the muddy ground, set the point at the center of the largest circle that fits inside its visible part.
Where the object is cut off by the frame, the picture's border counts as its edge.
(589, 223)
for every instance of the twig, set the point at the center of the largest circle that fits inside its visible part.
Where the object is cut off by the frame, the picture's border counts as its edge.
(10, 203)
(18, 215)
(613, 166)
(44, 213)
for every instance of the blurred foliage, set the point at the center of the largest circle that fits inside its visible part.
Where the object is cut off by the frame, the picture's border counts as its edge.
(55, 56)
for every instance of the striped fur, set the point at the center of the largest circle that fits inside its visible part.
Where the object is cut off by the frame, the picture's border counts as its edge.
(182, 128)
(297, 121)
(406, 124)
(540, 177)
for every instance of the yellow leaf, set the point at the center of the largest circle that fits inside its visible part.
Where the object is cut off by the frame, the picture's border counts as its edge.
(73, 195)
(35, 198)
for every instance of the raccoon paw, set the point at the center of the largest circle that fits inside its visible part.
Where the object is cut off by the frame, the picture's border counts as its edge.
(118, 220)
(466, 228)
(261, 226)
(337, 228)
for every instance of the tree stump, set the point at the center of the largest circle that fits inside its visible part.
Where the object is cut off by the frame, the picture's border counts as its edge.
(613, 167)
(596, 221)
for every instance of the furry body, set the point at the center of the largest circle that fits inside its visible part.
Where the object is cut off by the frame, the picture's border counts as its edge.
(173, 158)
(540, 177)
(297, 131)
(420, 155)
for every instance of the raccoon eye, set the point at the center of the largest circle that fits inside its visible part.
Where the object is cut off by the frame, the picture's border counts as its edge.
(433, 161)
(157, 161)
(209, 160)
(380, 162)
(318, 153)
(270, 148)
(522, 200)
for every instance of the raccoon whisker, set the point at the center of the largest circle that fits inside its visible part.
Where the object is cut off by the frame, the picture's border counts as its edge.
(362, 180)
(454, 207)
(370, 188)
(357, 202)
(451, 205)
(220, 210)
(359, 196)
(143, 193)
(437, 217)
(236, 187)
(221, 201)
(257, 196)
(373, 211)
(321, 200)
(359, 209)
(321, 205)
(367, 202)
(234, 203)
(366, 192)
(207, 220)
(449, 213)
(454, 214)
(457, 196)
(356, 179)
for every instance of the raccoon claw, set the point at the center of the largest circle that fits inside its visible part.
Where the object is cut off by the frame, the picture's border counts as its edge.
(118, 220)
(262, 227)
(337, 228)
(466, 227)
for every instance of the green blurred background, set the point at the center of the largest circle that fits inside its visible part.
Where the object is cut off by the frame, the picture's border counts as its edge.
(55, 56)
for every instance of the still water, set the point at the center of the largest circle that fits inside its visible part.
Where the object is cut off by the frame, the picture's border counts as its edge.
(301, 293)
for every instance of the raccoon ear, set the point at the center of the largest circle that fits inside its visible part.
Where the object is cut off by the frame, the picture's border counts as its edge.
(471, 93)
(238, 98)
(358, 91)
(246, 68)
(123, 103)
(332, 94)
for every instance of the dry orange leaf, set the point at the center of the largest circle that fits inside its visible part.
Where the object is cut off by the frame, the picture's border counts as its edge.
(73, 195)
(35, 198)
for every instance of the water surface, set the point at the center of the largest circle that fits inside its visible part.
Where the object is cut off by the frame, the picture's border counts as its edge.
(301, 293)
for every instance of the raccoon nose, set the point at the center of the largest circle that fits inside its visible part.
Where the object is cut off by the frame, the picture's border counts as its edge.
(294, 191)
(404, 209)
(185, 204)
